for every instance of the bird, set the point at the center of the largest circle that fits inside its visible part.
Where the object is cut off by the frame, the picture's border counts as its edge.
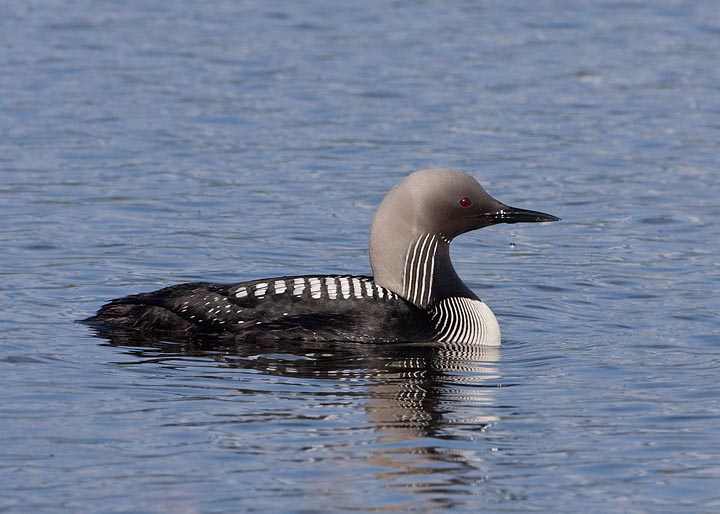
(413, 295)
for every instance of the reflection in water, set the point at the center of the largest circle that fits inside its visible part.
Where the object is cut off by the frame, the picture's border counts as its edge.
(414, 396)
(416, 393)
(420, 398)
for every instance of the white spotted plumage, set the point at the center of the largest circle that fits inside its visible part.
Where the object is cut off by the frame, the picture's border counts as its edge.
(261, 289)
(368, 289)
(315, 287)
(298, 286)
(345, 287)
(357, 288)
(331, 287)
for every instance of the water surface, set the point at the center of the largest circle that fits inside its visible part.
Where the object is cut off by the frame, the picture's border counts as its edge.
(144, 144)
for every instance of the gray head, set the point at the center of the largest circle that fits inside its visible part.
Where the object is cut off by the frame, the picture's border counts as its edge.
(413, 227)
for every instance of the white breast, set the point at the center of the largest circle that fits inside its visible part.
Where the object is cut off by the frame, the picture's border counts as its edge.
(463, 320)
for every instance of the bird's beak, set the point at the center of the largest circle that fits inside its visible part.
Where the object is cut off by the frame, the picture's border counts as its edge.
(514, 215)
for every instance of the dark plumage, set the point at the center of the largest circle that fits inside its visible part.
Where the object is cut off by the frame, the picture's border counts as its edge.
(415, 294)
(322, 308)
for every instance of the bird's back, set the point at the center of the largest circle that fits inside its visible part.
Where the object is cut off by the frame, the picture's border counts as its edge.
(315, 308)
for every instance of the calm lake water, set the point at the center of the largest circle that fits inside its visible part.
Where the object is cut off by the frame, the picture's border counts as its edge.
(149, 143)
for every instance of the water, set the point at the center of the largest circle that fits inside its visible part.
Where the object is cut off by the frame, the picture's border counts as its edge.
(150, 143)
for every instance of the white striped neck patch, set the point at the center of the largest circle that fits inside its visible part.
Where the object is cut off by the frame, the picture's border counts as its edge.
(419, 269)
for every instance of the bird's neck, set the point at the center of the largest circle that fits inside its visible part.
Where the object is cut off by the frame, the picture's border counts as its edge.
(416, 266)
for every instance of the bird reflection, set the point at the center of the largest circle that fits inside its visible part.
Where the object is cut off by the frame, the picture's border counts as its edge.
(417, 393)
(422, 386)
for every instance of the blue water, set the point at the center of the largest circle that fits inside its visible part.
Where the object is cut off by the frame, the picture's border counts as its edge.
(149, 143)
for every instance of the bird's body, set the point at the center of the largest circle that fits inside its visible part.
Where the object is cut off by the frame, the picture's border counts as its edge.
(415, 294)
(323, 307)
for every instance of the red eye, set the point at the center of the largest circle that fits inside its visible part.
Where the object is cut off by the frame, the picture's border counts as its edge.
(465, 202)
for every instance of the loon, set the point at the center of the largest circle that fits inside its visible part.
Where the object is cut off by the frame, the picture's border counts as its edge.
(414, 295)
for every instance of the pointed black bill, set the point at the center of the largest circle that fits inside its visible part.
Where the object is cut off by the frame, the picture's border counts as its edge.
(514, 215)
